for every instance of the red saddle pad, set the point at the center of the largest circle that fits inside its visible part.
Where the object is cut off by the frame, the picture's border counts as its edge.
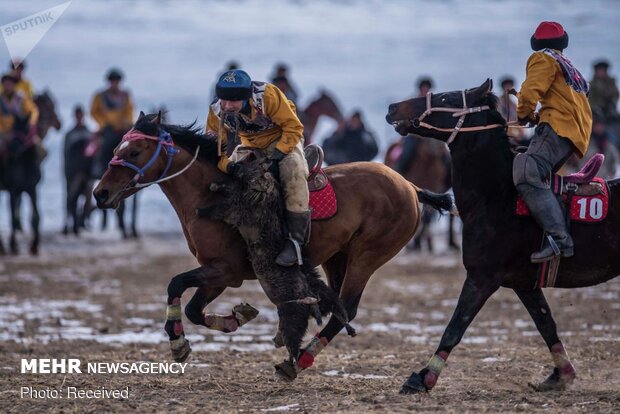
(323, 202)
(583, 209)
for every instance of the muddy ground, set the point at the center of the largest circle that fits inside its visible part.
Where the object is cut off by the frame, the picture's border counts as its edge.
(104, 301)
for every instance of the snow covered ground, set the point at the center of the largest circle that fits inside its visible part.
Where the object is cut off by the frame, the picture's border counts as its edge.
(368, 53)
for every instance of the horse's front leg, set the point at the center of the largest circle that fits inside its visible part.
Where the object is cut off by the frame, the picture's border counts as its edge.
(473, 296)
(240, 315)
(209, 276)
(564, 373)
(15, 224)
(35, 220)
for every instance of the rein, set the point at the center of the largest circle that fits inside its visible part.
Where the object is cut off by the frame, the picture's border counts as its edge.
(456, 112)
(164, 140)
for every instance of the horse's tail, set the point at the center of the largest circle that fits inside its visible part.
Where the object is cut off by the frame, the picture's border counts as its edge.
(444, 203)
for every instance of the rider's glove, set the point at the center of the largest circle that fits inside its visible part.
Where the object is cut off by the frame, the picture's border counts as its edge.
(235, 169)
(277, 155)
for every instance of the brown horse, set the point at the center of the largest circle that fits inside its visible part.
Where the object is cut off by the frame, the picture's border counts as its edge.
(429, 170)
(377, 214)
(47, 114)
(324, 105)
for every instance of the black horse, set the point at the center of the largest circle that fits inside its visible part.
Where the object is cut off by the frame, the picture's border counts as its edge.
(496, 244)
(21, 174)
(79, 182)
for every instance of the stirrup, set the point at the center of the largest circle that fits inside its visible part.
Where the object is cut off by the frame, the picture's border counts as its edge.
(297, 250)
(554, 245)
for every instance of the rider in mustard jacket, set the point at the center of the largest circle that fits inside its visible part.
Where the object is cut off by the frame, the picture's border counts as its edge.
(564, 126)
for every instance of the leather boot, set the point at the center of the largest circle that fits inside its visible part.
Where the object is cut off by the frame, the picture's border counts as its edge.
(546, 210)
(298, 236)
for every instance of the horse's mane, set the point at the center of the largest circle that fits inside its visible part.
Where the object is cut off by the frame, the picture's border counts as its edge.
(189, 137)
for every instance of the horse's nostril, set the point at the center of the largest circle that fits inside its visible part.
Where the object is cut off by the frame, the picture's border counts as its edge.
(392, 109)
(101, 195)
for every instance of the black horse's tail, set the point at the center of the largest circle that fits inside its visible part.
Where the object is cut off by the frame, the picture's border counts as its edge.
(444, 203)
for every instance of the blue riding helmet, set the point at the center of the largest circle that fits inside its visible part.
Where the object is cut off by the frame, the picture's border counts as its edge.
(234, 85)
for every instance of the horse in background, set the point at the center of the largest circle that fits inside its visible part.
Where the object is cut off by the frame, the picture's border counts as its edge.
(78, 167)
(21, 172)
(47, 114)
(324, 105)
(429, 169)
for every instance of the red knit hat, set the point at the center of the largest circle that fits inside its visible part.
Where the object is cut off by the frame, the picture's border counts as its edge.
(549, 35)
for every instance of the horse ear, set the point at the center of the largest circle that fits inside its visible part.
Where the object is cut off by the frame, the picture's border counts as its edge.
(142, 115)
(482, 91)
(487, 85)
(158, 118)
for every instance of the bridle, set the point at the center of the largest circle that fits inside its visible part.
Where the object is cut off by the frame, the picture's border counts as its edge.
(164, 140)
(456, 112)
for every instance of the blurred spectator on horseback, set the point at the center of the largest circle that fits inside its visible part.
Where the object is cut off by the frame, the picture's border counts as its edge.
(601, 141)
(15, 105)
(353, 143)
(77, 169)
(24, 86)
(79, 134)
(410, 142)
(604, 91)
(508, 109)
(112, 109)
(282, 81)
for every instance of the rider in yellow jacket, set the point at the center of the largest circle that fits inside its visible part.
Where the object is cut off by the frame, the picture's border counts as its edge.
(564, 126)
(112, 108)
(263, 118)
(13, 103)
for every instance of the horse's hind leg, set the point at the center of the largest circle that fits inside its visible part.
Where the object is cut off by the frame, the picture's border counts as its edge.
(473, 296)
(134, 216)
(120, 214)
(564, 373)
(35, 220)
(15, 224)
(452, 244)
(349, 278)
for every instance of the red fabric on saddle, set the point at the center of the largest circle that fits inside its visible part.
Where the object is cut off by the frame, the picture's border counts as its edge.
(323, 202)
(583, 209)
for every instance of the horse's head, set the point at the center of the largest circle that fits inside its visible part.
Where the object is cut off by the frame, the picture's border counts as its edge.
(140, 157)
(443, 115)
(47, 114)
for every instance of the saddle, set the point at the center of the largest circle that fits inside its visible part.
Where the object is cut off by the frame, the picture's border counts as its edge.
(584, 195)
(584, 199)
(323, 202)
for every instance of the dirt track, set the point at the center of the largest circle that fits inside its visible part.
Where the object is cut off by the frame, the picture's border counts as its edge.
(105, 301)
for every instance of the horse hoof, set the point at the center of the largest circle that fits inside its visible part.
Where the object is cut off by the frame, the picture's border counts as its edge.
(286, 371)
(555, 382)
(413, 385)
(181, 353)
(34, 250)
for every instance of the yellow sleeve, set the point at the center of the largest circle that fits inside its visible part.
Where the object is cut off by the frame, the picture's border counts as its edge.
(28, 107)
(213, 125)
(540, 73)
(97, 111)
(128, 112)
(282, 113)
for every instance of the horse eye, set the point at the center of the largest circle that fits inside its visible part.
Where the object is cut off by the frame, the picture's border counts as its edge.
(134, 154)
